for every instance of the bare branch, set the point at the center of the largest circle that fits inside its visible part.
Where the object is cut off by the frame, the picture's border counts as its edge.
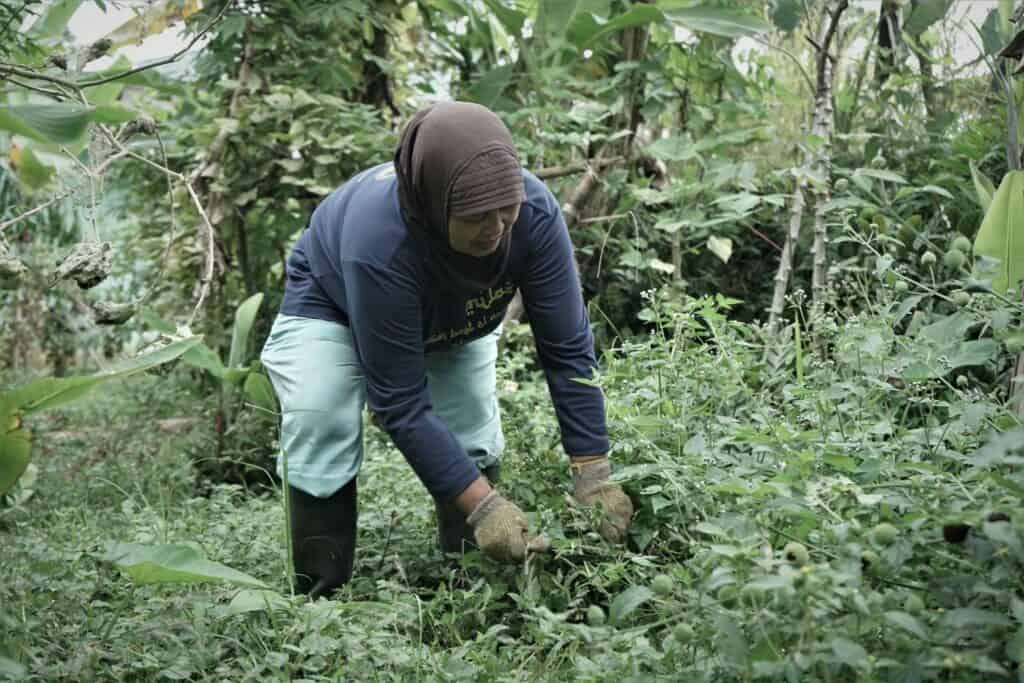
(8, 223)
(559, 171)
(165, 60)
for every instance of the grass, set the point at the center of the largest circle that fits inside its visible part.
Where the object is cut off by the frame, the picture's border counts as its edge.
(731, 458)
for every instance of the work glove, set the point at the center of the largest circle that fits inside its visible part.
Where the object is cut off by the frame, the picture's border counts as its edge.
(500, 528)
(591, 485)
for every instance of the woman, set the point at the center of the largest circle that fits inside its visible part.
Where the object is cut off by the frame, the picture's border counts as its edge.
(394, 298)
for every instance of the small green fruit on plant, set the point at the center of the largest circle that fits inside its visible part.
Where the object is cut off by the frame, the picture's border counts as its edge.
(1015, 344)
(901, 286)
(662, 585)
(954, 259)
(961, 298)
(869, 561)
(884, 534)
(928, 259)
(913, 604)
(842, 185)
(595, 616)
(878, 162)
(962, 381)
(683, 633)
(961, 244)
(796, 553)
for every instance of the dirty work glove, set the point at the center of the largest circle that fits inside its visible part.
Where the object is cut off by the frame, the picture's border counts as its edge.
(500, 528)
(591, 485)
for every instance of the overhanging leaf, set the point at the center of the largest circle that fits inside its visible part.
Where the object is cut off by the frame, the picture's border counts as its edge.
(61, 123)
(920, 16)
(50, 392)
(719, 22)
(639, 15)
(244, 317)
(1002, 232)
(173, 564)
(54, 20)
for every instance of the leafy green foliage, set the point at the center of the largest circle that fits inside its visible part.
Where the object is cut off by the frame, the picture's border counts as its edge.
(1001, 236)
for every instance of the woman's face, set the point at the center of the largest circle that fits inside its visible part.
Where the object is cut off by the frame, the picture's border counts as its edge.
(480, 234)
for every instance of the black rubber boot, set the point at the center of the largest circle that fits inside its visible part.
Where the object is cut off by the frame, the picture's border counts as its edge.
(454, 535)
(323, 539)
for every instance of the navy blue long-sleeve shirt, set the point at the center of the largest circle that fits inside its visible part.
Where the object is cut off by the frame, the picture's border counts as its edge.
(357, 264)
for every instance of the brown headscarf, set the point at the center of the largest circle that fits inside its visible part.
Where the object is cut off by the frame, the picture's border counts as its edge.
(457, 159)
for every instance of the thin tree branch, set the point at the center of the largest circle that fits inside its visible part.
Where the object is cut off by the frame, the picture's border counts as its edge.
(8, 223)
(165, 60)
(559, 171)
(42, 91)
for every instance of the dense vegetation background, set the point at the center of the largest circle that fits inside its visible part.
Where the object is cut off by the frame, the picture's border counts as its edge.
(800, 226)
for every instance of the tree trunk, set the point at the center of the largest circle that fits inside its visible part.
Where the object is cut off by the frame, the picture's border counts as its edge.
(821, 127)
(888, 41)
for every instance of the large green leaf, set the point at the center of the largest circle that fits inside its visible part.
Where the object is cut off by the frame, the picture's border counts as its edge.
(244, 317)
(919, 17)
(716, 21)
(512, 20)
(51, 392)
(489, 86)
(1002, 232)
(15, 450)
(259, 391)
(61, 123)
(173, 564)
(52, 22)
(205, 358)
(639, 15)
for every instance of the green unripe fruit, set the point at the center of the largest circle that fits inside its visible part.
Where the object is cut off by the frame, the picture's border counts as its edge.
(727, 594)
(962, 381)
(928, 259)
(683, 633)
(869, 560)
(961, 298)
(595, 615)
(884, 534)
(882, 221)
(842, 185)
(961, 243)
(913, 604)
(662, 585)
(901, 286)
(878, 162)
(954, 259)
(866, 214)
(1015, 344)
(915, 221)
(796, 553)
